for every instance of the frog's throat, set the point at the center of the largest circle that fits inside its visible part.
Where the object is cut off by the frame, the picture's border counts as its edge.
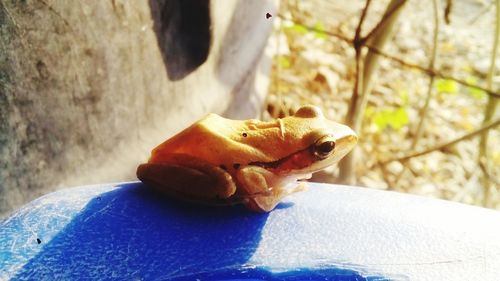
(295, 161)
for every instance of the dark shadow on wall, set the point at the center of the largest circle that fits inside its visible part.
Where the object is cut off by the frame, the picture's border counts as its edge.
(183, 31)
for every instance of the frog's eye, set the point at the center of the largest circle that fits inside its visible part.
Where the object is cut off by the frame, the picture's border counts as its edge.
(324, 147)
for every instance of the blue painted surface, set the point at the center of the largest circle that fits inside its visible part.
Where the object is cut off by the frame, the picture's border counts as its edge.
(320, 274)
(135, 233)
(116, 232)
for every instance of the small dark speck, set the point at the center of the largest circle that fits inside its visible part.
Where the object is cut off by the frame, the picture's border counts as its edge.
(236, 165)
(268, 15)
(99, 198)
(244, 135)
(38, 240)
(41, 67)
(223, 167)
(88, 52)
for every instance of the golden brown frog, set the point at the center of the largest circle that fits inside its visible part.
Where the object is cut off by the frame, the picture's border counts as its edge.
(222, 161)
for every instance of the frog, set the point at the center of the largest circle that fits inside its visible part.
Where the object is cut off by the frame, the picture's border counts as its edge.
(220, 161)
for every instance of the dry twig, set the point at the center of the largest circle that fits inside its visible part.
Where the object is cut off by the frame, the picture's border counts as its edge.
(447, 144)
(491, 107)
(401, 61)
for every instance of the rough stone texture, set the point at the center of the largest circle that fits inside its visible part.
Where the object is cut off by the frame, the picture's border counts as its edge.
(86, 89)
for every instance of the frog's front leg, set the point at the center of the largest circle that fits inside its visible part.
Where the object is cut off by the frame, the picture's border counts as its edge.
(263, 188)
(189, 178)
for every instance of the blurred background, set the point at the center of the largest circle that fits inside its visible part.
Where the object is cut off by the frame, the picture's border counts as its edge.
(427, 95)
(87, 89)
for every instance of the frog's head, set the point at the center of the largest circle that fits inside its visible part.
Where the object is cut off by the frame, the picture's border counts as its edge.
(323, 142)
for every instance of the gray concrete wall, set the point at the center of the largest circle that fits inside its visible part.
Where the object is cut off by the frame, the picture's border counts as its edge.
(87, 88)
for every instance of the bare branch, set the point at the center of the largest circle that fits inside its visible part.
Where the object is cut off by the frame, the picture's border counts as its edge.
(433, 72)
(357, 83)
(357, 35)
(481, 13)
(346, 166)
(425, 109)
(402, 61)
(450, 143)
(382, 22)
(488, 175)
(447, 11)
(491, 106)
(428, 97)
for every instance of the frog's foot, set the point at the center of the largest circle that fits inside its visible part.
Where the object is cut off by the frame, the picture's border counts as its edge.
(263, 189)
(268, 202)
(188, 178)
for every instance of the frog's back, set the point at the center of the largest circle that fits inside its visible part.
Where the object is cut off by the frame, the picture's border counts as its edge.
(222, 141)
(208, 139)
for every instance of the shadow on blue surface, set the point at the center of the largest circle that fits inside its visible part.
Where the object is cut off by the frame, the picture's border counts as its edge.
(323, 274)
(134, 233)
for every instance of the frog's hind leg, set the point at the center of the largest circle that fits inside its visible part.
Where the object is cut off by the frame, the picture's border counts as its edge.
(188, 178)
